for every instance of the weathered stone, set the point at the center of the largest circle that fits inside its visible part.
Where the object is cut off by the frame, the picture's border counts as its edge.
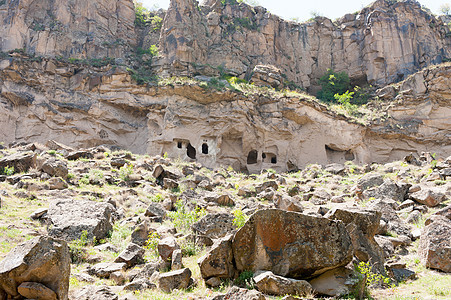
(132, 255)
(42, 259)
(435, 245)
(429, 197)
(370, 180)
(218, 262)
(69, 218)
(289, 204)
(362, 227)
(236, 293)
(79, 154)
(139, 285)
(214, 225)
(178, 279)
(20, 161)
(176, 263)
(35, 290)
(141, 233)
(55, 167)
(268, 283)
(93, 292)
(286, 244)
(166, 247)
(333, 283)
(155, 210)
(57, 183)
(104, 270)
(389, 215)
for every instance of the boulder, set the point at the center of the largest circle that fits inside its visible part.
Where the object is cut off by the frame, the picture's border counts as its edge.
(155, 210)
(435, 245)
(178, 279)
(69, 218)
(55, 167)
(44, 260)
(74, 155)
(139, 285)
(141, 233)
(291, 244)
(333, 283)
(218, 262)
(236, 293)
(390, 216)
(93, 292)
(215, 225)
(388, 190)
(166, 247)
(289, 204)
(35, 290)
(104, 270)
(370, 180)
(177, 263)
(57, 183)
(132, 255)
(362, 226)
(428, 196)
(223, 199)
(268, 283)
(20, 161)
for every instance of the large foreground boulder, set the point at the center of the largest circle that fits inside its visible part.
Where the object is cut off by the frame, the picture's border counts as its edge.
(362, 226)
(291, 244)
(218, 262)
(69, 218)
(435, 244)
(43, 260)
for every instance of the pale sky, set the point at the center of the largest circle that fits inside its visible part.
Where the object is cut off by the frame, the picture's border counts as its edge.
(303, 9)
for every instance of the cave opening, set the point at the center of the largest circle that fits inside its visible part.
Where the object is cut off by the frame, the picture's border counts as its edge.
(252, 157)
(190, 151)
(204, 148)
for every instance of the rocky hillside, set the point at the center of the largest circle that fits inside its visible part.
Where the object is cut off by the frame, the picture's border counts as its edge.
(181, 154)
(103, 224)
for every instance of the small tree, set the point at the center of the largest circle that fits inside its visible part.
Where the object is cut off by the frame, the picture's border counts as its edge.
(445, 8)
(333, 83)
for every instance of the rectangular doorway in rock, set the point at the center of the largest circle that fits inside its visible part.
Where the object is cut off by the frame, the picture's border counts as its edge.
(335, 155)
(269, 158)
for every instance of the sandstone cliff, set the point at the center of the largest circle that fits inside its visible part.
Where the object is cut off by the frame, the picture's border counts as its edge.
(381, 44)
(43, 99)
(78, 29)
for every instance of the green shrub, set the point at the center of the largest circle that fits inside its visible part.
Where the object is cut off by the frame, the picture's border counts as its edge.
(367, 278)
(8, 171)
(182, 218)
(245, 279)
(77, 249)
(152, 244)
(333, 83)
(156, 22)
(240, 218)
(140, 14)
(157, 198)
(125, 172)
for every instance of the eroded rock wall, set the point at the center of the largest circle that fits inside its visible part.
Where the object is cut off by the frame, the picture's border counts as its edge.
(380, 45)
(77, 28)
(84, 106)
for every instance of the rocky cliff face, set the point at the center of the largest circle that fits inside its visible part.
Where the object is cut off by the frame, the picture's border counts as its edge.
(381, 44)
(77, 29)
(76, 103)
(86, 106)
